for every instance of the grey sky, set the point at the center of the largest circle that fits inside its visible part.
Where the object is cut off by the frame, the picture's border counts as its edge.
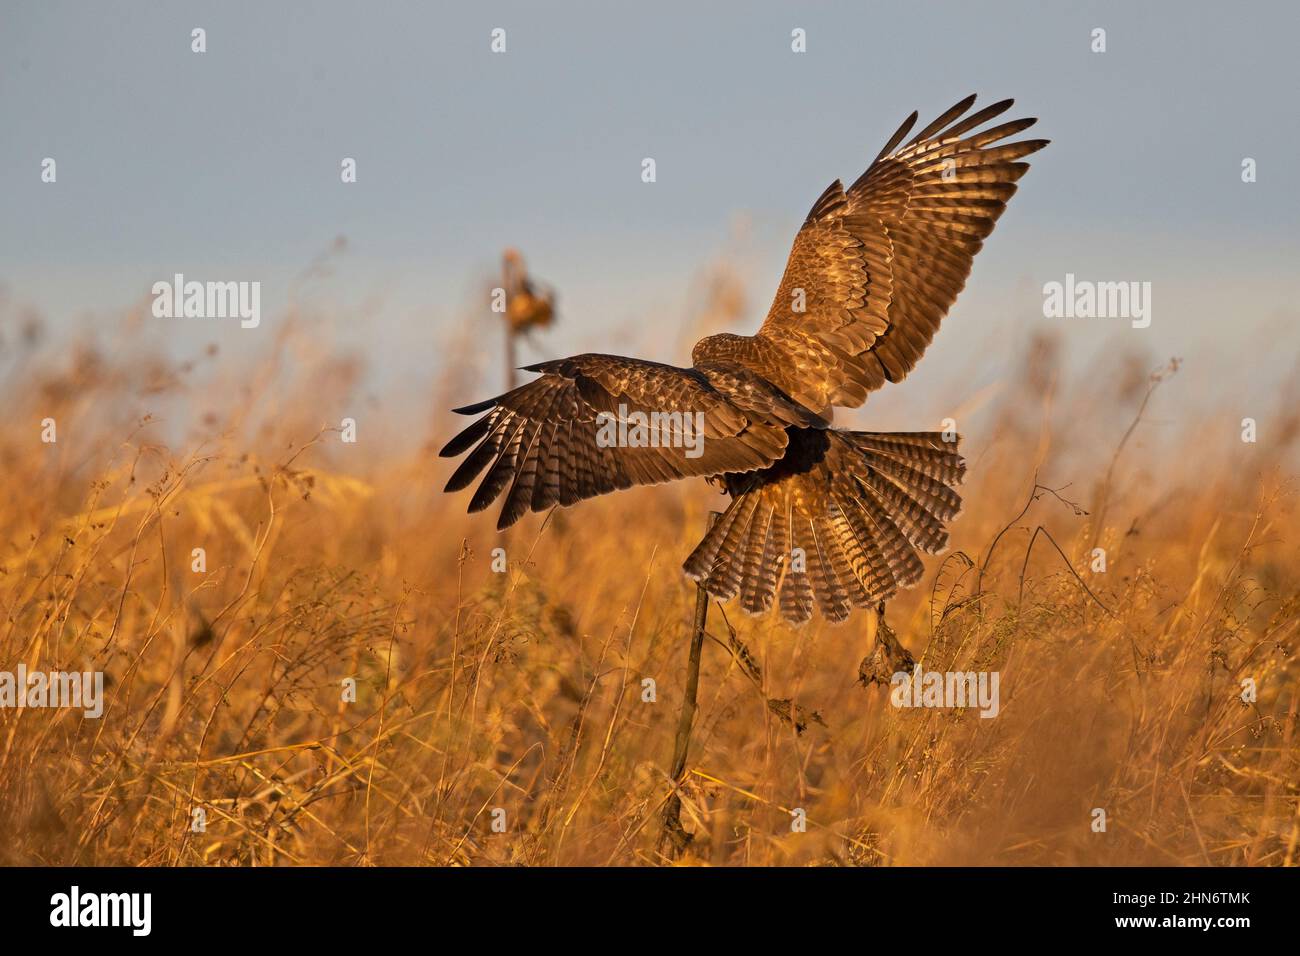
(225, 165)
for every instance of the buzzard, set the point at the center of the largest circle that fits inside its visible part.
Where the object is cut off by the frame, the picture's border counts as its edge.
(818, 515)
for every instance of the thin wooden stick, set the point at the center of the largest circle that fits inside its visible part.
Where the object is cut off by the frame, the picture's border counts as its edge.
(673, 829)
(510, 357)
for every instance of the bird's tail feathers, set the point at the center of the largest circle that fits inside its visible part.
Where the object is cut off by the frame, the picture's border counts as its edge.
(842, 533)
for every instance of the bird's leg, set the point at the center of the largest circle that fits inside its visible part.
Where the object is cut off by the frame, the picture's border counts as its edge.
(887, 657)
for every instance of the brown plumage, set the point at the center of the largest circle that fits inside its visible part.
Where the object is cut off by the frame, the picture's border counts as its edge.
(818, 515)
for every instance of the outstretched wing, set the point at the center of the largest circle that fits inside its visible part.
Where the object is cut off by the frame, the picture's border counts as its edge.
(875, 269)
(547, 443)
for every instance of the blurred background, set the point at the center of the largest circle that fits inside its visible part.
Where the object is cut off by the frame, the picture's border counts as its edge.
(226, 165)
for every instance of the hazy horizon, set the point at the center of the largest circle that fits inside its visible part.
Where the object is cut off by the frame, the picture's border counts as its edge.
(225, 165)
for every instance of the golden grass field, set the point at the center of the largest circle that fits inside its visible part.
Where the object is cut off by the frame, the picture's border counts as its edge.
(522, 690)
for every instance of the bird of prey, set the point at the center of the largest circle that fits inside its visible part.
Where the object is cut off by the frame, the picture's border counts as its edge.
(818, 515)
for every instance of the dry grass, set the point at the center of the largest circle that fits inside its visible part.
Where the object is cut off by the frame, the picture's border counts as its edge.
(523, 690)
